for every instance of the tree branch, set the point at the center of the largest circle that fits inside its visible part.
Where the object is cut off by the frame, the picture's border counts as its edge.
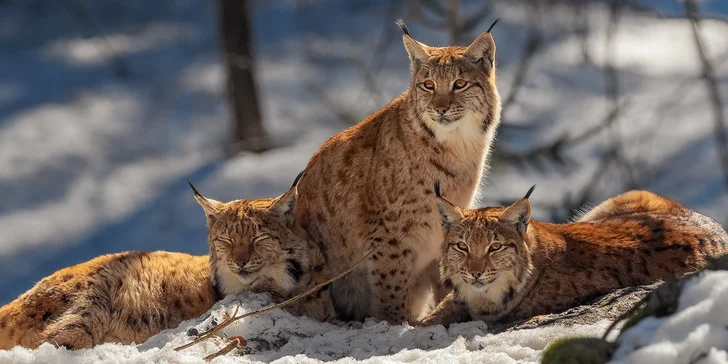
(719, 130)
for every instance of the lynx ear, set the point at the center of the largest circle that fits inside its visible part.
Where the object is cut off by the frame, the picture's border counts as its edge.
(210, 206)
(518, 214)
(482, 50)
(449, 213)
(417, 51)
(284, 204)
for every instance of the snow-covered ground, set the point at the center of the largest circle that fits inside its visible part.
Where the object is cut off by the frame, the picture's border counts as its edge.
(696, 333)
(281, 338)
(92, 163)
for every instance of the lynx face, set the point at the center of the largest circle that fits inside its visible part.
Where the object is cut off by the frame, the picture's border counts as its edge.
(252, 246)
(449, 89)
(453, 84)
(486, 252)
(485, 256)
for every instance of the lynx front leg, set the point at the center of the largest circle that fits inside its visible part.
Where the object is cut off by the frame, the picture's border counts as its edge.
(449, 311)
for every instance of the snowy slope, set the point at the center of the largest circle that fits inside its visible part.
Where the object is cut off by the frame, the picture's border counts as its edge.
(697, 333)
(281, 338)
(95, 164)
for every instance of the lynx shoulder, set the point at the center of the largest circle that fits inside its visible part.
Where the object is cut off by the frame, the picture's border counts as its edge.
(370, 186)
(501, 264)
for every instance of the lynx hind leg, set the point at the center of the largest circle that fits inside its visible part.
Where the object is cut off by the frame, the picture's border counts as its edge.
(81, 327)
(630, 203)
(350, 295)
(447, 312)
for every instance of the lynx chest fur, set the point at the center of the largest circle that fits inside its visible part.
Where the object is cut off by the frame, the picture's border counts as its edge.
(501, 264)
(370, 187)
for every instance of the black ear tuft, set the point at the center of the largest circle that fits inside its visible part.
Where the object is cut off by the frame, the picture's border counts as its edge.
(402, 26)
(492, 25)
(298, 178)
(530, 191)
(194, 190)
(437, 190)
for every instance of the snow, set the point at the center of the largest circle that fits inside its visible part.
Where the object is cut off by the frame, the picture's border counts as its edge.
(698, 328)
(279, 337)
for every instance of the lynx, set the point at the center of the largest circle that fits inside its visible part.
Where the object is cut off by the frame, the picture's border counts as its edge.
(501, 264)
(370, 186)
(256, 246)
(128, 297)
(124, 298)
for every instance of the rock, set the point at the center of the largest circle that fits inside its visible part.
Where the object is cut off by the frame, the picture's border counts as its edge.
(609, 306)
(578, 351)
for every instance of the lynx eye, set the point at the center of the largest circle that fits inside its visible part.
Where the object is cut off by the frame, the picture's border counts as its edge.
(495, 247)
(260, 238)
(462, 246)
(459, 84)
(429, 84)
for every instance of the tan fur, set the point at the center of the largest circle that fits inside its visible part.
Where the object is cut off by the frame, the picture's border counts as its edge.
(124, 298)
(371, 185)
(632, 239)
(128, 297)
(256, 246)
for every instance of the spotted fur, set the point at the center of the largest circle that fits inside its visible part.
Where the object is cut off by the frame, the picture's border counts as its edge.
(501, 264)
(128, 297)
(256, 246)
(124, 298)
(370, 186)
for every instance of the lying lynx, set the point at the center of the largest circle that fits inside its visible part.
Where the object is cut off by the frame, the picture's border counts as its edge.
(125, 298)
(370, 186)
(501, 264)
(256, 246)
(128, 297)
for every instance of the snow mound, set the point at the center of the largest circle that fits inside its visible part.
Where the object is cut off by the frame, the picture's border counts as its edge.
(279, 337)
(697, 333)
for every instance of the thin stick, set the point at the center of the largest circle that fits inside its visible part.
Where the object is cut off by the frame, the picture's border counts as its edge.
(287, 302)
(235, 342)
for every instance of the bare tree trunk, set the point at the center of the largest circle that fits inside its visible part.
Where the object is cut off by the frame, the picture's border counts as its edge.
(234, 20)
(721, 138)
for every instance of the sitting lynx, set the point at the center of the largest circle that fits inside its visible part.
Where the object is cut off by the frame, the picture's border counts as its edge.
(370, 186)
(128, 297)
(501, 264)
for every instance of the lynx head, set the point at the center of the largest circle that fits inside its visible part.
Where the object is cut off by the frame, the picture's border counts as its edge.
(487, 252)
(453, 86)
(252, 244)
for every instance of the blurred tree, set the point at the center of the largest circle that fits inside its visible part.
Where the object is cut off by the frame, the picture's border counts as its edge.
(248, 132)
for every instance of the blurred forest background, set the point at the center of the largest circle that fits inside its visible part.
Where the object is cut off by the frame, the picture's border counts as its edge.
(108, 107)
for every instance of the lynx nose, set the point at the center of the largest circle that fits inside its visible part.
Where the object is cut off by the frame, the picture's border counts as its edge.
(441, 109)
(476, 275)
(242, 256)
